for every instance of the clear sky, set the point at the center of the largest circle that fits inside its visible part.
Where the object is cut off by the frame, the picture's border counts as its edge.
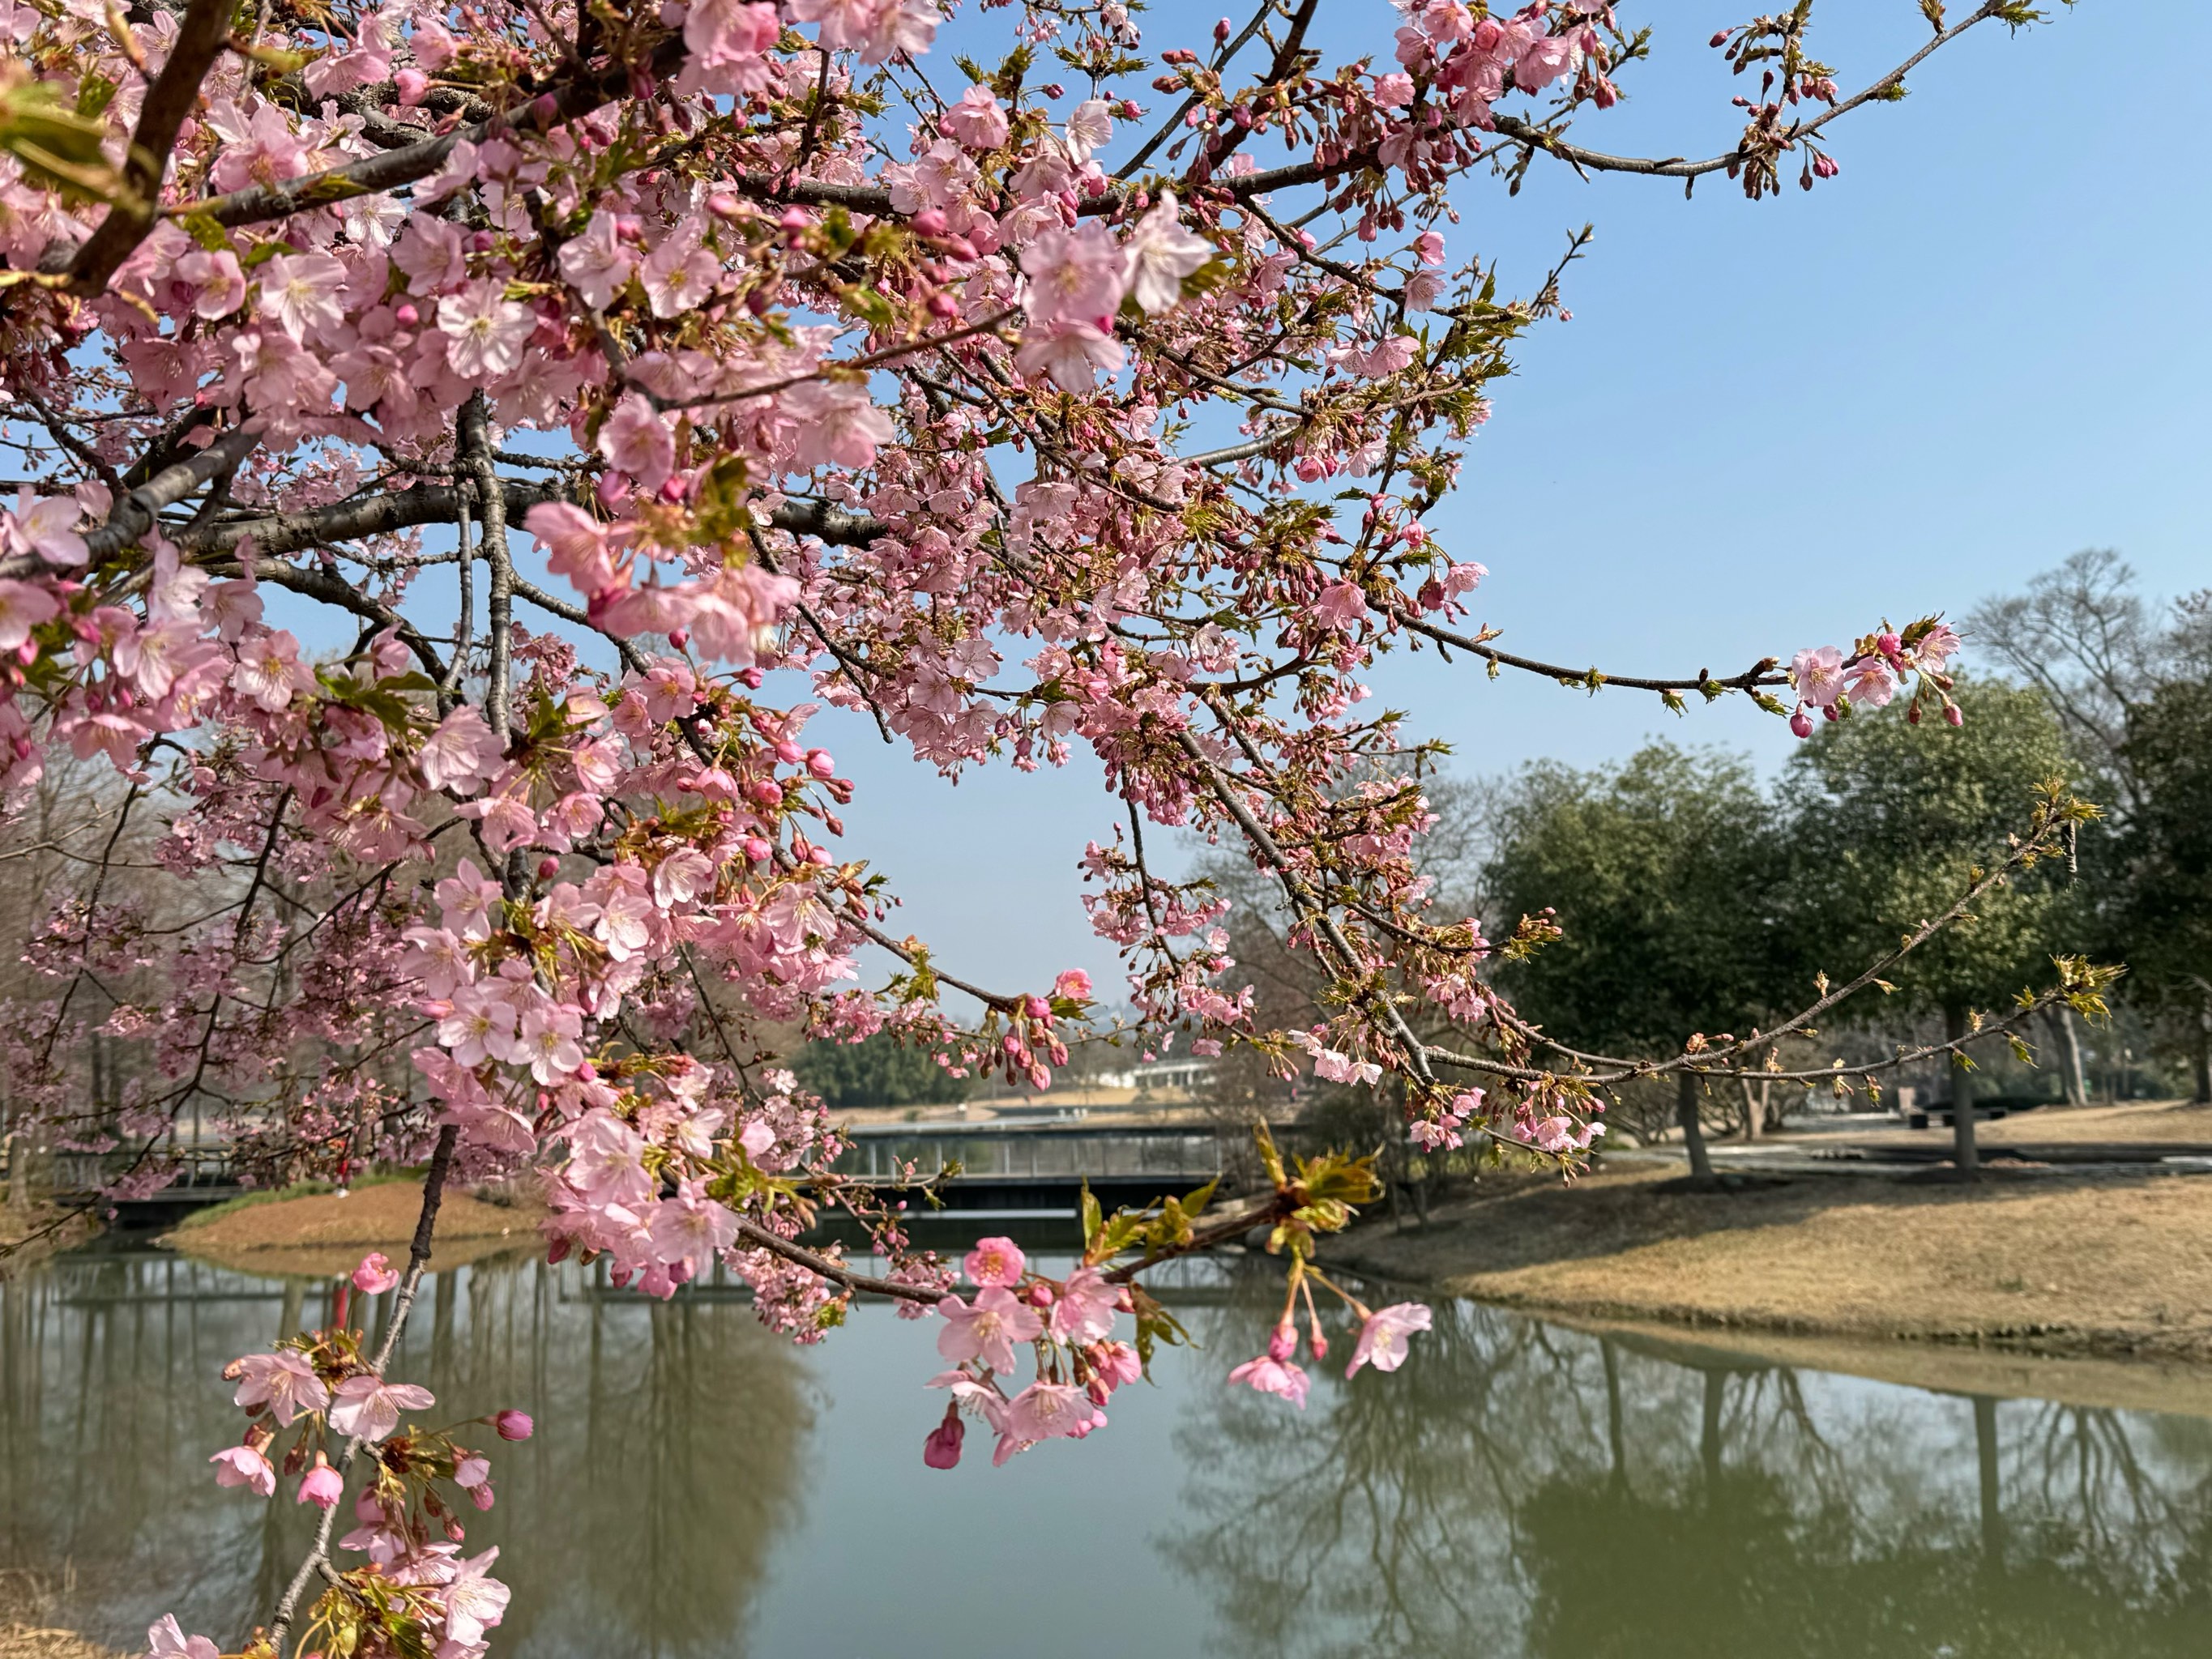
(1980, 348)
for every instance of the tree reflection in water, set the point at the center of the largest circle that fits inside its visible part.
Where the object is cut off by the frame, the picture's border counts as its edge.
(1519, 1488)
(648, 1516)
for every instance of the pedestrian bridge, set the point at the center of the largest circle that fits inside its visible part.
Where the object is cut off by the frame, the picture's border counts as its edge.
(1036, 1169)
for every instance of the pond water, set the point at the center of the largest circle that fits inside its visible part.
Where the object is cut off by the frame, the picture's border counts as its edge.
(700, 1488)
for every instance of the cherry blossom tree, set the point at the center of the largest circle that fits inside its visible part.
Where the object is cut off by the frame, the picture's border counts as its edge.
(463, 445)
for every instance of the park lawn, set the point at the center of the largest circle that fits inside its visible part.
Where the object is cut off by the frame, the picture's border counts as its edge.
(2100, 1263)
(325, 1235)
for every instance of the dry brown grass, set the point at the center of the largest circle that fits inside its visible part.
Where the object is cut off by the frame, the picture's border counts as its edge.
(26, 1602)
(2104, 1263)
(326, 1234)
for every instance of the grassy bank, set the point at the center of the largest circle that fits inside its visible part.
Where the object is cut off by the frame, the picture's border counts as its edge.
(2106, 1264)
(323, 1234)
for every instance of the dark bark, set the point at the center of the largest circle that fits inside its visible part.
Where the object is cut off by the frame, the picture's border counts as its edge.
(2204, 1053)
(1964, 1152)
(1985, 1448)
(1693, 1132)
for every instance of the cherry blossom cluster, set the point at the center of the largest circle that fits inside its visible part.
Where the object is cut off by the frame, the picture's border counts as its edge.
(1068, 1325)
(324, 1394)
(1873, 672)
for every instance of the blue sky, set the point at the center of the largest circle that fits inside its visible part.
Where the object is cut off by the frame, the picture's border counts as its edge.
(1980, 348)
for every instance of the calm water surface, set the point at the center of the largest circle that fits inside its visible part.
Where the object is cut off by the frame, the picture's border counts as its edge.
(700, 1488)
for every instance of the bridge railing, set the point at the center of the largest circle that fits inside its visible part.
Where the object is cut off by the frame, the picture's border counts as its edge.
(879, 1152)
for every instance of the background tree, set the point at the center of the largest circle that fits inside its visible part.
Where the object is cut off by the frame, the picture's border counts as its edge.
(1890, 818)
(2158, 912)
(877, 1070)
(1661, 876)
(2126, 681)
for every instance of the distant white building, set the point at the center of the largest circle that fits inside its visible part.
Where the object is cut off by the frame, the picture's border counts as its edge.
(1183, 1074)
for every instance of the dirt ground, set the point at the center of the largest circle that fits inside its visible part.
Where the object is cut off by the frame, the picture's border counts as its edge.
(327, 1235)
(2106, 1263)
(2177, 1121)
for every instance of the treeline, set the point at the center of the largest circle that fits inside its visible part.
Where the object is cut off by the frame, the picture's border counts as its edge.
(1693, 898)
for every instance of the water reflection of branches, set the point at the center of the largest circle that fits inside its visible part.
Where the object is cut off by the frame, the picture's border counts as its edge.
(650, 1520)
(1521, 1488)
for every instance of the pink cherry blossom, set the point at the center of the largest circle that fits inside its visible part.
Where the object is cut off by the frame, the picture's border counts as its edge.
(1046, 1411)
(989, 1330)
(474, 1601)
(284, 1382)
(243, 1466)
(1083, 1310)
(995, 1261)
(1818, 674)
(321, 1485)
(1383, 1336)
(165, 1639)
(375, 1275)
(23, 607)
(369, 1408)
(1272, 1375)
(977, 120)
(484, 330)
(1160, 253)
(462, 750)
(44, 526)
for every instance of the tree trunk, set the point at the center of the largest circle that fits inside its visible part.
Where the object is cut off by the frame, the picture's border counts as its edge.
(1985, 1448)
(1616, 1439)
(1693, 1132)
(1964, 1154)
(2204, 1053)
(2070, 1054)
(1755, 1107)
(1709, 1430)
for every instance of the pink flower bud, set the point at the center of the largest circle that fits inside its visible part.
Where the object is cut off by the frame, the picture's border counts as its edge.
(1041, 1295)
(483, 241)
(723, 205)
(1283, 1341)
(942, 1450)
(1221, 32)
(930, 221)
(412, 84)
(821, 763)
(513, 1425)
(548, 868)
(1954, 715)
(405, 315)
(1801, 723)
(546, 107)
